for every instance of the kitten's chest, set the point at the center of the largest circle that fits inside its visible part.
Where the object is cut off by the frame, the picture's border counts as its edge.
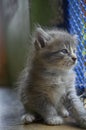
(59, 85)
(58, 89)
(62, 83)
(67, 81)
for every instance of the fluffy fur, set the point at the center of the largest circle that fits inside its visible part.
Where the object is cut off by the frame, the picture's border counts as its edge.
(50, 78)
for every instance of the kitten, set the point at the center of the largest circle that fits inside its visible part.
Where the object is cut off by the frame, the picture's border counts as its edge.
(50, 78)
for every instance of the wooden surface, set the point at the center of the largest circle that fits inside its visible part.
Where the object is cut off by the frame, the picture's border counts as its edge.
(11, 110)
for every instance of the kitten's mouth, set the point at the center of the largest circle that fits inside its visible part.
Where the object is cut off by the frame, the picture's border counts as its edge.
(70, 64)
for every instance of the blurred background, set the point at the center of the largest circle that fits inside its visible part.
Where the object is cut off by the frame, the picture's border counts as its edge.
(17, 21)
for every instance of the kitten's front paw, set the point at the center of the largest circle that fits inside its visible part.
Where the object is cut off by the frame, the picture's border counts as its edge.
(82, 122)
(65, 113)
(55, 120)
(27, 118)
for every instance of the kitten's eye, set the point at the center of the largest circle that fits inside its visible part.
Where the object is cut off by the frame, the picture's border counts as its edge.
(64, 51)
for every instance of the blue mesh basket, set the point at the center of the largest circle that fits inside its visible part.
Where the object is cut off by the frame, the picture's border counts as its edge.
(75, 22)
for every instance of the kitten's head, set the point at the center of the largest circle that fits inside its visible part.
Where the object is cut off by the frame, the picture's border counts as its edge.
(55, 48)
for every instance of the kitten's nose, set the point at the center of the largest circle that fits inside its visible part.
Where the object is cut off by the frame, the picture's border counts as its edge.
(74, 59)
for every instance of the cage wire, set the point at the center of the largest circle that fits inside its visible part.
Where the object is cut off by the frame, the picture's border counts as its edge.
(75, 22)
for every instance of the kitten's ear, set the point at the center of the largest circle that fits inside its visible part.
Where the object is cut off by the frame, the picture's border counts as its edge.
(75, 37)
(41, 38)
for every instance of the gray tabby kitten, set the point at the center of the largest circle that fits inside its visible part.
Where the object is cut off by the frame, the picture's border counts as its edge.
(50, 80)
